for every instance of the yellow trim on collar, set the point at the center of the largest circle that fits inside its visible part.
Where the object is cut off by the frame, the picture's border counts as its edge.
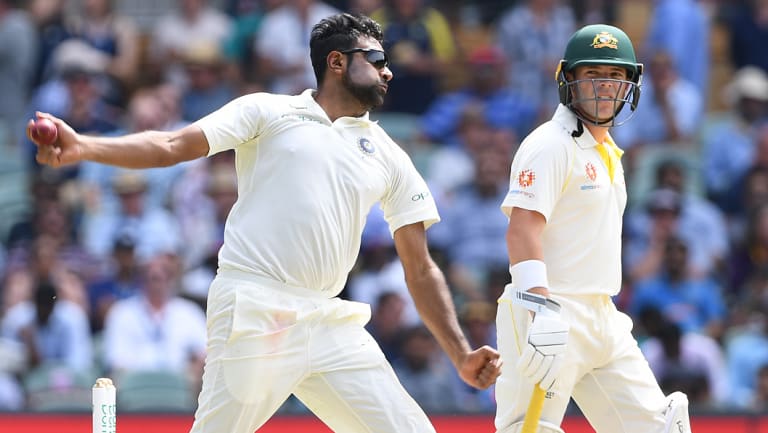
(610, 154)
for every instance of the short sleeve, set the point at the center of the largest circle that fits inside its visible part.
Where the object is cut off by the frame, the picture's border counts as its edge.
(237, 122)
(537, 177)
(408, 199)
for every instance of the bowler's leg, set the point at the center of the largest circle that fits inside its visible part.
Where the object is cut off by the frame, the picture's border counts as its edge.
(250, 368)
(219, 410)
(354, 389)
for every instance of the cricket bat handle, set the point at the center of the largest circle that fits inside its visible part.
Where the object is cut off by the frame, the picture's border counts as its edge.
(533, 414)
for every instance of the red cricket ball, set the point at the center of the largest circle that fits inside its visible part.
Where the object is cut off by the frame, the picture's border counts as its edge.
(44, 132)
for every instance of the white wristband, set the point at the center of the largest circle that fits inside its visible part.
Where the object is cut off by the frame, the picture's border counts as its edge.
(529, 274)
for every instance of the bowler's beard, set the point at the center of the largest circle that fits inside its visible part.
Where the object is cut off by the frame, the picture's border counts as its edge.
(370, 96)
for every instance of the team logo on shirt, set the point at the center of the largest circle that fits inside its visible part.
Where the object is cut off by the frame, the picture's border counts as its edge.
(525, 178)
(589, 169)
(365, 145)
(605, 40)
(590, 172)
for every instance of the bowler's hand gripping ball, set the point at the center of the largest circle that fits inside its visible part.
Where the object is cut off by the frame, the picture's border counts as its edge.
(44, 132)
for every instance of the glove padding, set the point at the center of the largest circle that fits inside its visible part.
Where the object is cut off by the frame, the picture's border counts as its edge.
(542, 357)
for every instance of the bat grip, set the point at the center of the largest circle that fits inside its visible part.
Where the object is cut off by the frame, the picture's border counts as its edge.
(533, 414)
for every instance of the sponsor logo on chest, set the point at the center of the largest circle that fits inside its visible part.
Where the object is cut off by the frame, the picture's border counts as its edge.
(590, 177)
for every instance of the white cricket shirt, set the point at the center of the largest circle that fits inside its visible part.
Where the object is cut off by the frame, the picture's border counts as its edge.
(565, 179)
(305, 187)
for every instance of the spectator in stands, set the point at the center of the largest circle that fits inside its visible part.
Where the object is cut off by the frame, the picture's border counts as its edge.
(686, 361)
(150, 108)
(193, 207)
(660, 217)
(169, 97)
(54, 330)
(420, 46)
(478, 318)
(48, 16)
(11, 391)
(18, 55)
(595, 11)
(48, 214)
(380, 277)
(728, 143)
(701, 224)
(751, 296)
(155, 330)
(681, 29)
(502, 106)
(98, 23)
(365, 7)
(424, 373)
(72, 93)
(53, 226)
(760, 398)
(671, 111)
(387, 325)
(154, 229)
(120, 281)
(746, 352)
(88, 110)
(747, 25)
(282, 45)
(749, 189)
(191, 23)
(644, 247)
(451, 167)
(532, 36)
(749, 261)
(238, 50)
(694, 304)
(698, 215)
(44, 246)
(206, 88)
(472, 232)
(205, 235)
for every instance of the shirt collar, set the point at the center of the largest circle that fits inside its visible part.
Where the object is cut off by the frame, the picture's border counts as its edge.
(568, 120)
(308, 98)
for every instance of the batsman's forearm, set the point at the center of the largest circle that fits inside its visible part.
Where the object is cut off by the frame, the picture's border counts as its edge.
(432, 298)
(141, 150)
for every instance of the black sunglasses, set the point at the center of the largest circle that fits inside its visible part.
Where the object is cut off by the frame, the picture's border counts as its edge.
(375, 57)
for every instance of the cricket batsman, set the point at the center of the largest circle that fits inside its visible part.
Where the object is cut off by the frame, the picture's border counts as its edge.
(558, 328)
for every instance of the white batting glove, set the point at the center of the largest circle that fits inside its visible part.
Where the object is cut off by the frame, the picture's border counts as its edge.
(542, 357)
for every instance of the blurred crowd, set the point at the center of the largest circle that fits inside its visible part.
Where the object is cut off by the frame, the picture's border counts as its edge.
(106, 271)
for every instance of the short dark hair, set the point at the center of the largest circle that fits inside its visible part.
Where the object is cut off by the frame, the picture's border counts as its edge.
(338, 33)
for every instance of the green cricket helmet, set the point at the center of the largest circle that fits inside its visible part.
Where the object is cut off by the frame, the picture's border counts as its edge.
(600, 44)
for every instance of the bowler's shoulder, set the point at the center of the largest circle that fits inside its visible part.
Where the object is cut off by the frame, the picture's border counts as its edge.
(381, 136)
(268, 105)
(268, 99)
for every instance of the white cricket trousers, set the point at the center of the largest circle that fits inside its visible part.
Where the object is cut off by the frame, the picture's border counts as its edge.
(604, 371)
(267, 341)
